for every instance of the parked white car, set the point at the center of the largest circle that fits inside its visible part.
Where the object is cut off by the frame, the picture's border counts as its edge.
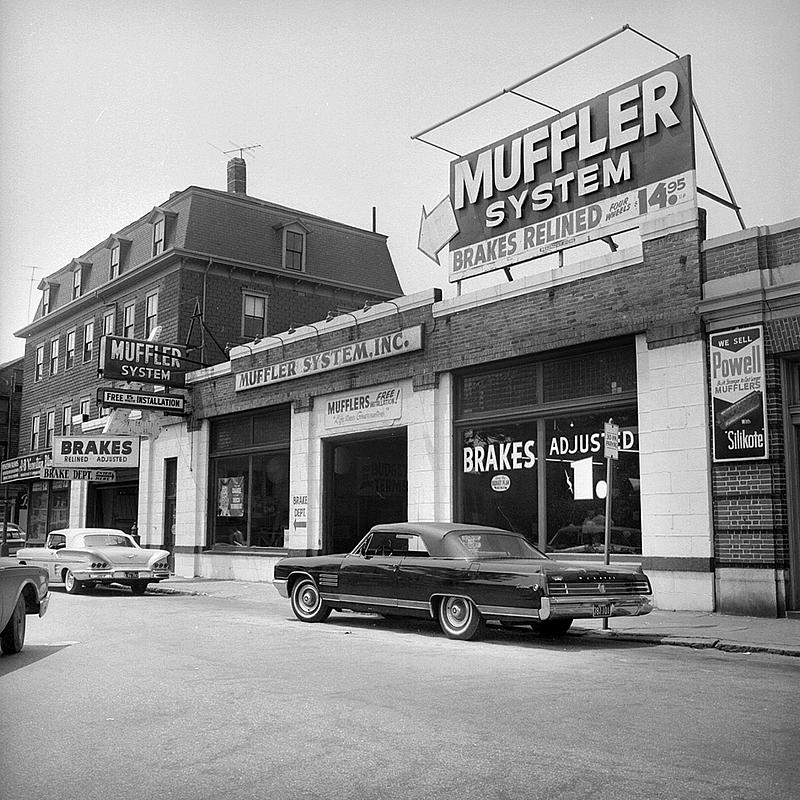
(80, 558)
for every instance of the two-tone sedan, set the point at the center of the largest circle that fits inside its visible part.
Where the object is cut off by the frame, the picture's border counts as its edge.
(81, 558)
(462, 575)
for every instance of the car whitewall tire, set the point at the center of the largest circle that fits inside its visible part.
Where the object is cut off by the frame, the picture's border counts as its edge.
(307, 603)
(459, 619)
(71, 583)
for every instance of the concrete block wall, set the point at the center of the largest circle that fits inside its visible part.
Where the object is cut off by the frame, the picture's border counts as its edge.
(674, 463)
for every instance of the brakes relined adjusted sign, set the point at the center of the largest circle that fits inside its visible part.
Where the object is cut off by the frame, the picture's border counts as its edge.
(96, 452)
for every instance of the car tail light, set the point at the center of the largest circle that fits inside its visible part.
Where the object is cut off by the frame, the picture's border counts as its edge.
(99, 565)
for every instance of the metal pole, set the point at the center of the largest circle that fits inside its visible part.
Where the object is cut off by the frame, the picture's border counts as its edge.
(520, 83)
(718, 162)
(609, 492)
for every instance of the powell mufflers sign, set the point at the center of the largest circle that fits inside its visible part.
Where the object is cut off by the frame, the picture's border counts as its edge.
(403, 341)
(597, 169)
(738, 394)
(142, 361)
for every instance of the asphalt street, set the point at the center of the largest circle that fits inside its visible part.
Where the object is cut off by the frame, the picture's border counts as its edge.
(194, 697)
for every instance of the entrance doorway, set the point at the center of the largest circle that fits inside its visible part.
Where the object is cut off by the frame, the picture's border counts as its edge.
(113, 506)
(366, 483)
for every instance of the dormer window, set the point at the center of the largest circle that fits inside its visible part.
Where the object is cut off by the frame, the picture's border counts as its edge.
(162, 222)
(295, 250)
(46, 300)
(294, 235)
(158, 237)
(118, 249)
(114, 266)
(80, 271)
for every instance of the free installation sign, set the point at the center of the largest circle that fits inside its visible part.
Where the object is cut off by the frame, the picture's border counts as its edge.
(600, 168)
(738, 394)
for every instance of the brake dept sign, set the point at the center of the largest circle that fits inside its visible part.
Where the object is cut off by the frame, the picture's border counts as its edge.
(597, 169)
(96, 452)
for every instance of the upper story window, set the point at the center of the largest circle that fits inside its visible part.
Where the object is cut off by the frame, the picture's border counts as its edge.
(77, 280)
(113, 269)
(86, 408)
(35, 432)
(294, 235)
(254, 315)
(118, 249)
(66, 420)
(69, 358)
(109, 320)
(295, 250)
(46, 300)
(88, 341)
(163, 223)
(158, 237)
(150, 313)
(128, 320)
(54, 356)
(50, 428)
(38, 369)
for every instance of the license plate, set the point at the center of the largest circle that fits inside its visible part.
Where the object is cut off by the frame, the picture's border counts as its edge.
(601, 610)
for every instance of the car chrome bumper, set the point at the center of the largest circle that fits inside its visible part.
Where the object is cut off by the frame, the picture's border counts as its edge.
(584, 607)
(281, 585)
(43, 603)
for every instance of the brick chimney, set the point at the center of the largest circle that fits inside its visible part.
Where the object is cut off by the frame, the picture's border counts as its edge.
(237, 176)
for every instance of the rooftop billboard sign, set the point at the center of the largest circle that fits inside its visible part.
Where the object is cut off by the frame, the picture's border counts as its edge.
(597, 169)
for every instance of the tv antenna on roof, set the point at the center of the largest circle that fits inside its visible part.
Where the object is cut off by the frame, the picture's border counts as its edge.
(241, 149)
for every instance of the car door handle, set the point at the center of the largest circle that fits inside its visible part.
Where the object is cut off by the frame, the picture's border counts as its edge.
(396, 568)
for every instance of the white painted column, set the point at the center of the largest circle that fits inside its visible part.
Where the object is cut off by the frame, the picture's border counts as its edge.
(675, 470)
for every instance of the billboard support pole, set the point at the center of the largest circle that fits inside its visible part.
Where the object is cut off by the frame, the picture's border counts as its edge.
(511, 89)
(717, 162)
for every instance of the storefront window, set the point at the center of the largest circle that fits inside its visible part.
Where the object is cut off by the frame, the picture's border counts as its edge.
(539, 469)
(250, 480)
(576, 485)
(499, 478)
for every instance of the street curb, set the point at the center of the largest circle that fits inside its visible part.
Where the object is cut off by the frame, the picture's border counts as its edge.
(697, 643)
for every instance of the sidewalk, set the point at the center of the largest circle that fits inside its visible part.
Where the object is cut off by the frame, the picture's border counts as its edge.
(698, 629)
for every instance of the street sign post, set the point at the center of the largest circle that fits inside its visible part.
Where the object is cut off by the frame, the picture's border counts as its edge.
(611, 452)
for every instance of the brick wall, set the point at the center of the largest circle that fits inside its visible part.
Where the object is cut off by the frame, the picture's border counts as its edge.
(750, 498)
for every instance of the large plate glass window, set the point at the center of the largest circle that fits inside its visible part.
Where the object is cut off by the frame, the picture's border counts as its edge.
(529, 445)
(249, 474)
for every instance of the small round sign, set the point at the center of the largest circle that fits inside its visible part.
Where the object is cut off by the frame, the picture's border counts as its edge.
(501, 483)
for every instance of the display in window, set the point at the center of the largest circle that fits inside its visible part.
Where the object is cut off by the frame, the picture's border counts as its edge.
(576, 486)
(231, 497)
(499, 482)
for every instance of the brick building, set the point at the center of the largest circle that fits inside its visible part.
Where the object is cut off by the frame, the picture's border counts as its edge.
(12, 496)
(212, 269)
(489, 407)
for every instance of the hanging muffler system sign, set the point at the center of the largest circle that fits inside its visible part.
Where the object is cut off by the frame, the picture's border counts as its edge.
(597, 169)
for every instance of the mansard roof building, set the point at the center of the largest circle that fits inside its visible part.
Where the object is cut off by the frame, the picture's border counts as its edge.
(214, 269)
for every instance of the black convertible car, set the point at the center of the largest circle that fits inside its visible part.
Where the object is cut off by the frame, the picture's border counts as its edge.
(461, 575)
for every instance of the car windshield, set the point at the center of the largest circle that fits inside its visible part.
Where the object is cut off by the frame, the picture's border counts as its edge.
(495, 544)
(106, 540)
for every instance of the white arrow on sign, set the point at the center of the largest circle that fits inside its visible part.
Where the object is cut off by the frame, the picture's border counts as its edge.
(437, 228)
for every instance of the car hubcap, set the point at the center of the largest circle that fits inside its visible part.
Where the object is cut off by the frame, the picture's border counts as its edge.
(308, 599)
(457, 612)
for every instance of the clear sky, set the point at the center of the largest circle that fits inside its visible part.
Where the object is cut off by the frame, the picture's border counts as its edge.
(107, 106)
